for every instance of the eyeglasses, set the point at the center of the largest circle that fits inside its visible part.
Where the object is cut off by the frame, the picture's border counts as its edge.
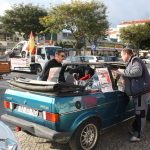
(63, 56)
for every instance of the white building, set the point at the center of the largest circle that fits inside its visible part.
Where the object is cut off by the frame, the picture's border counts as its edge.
(66, 37)
(114, 34)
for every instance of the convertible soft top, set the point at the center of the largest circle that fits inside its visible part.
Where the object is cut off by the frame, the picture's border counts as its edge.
(44, 86)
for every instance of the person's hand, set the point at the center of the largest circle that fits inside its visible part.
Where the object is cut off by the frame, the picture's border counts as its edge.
(121, 71)
(118, 72)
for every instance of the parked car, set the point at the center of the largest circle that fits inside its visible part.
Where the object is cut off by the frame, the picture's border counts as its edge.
(93, 59)
(71, 59)
(110, 58)
(84, 59)
(69, 113)
(7, 138)
(146, 60)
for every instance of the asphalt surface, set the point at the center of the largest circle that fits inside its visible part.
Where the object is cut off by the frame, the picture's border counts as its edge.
(115, 138)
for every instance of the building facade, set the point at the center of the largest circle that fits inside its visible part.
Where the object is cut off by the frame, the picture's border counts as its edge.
(114, 33)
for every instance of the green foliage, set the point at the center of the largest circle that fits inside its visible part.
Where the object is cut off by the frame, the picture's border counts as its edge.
(86, 20)
(23, 18)
(137, 35)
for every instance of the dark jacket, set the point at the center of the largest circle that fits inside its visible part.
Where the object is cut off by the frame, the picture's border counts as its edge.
(50, 64)
(137, 79)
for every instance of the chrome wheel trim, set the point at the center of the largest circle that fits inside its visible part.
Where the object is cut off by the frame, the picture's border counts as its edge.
(88, 136)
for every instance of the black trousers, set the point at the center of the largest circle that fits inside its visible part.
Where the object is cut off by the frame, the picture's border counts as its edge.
(141, 107)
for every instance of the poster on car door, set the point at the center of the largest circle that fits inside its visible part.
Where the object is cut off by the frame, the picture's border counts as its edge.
(104, 79)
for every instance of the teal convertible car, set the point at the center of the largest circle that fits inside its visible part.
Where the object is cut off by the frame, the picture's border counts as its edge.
(69, 108)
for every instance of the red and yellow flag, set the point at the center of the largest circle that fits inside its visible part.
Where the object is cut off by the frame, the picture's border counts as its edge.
(31, 44)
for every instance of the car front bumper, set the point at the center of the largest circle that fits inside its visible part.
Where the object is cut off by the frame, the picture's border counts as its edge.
(38, 130)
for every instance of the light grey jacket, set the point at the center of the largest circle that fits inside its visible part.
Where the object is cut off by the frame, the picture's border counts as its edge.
(133, 68)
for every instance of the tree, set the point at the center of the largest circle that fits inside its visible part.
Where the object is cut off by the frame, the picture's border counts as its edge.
(23, 18)
(137, 35)
(86, 20)
(145, 43)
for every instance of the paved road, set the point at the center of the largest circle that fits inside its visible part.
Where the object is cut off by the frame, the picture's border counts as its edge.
(115, 138)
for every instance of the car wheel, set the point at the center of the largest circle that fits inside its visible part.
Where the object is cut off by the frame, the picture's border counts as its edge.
(86, 136)
(148, 113)
(38, 70)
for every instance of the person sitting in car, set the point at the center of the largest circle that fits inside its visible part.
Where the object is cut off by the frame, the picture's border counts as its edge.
(89, 72)
(71, 78)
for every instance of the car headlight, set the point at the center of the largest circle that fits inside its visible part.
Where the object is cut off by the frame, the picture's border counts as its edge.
(8, 144)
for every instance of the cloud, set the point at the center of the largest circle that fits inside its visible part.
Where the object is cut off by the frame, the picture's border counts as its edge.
(120, 10)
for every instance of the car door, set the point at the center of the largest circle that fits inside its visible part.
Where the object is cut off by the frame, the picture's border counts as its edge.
(125, 105)
(106, 102)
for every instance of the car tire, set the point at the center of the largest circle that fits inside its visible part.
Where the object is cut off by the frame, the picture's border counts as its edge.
(86, 136)
(148, 113)
(38, 69)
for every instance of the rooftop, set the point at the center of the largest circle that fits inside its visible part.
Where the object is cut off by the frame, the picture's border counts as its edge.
(135, 22)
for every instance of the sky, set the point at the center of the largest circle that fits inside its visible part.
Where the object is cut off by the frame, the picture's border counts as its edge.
(117, 10)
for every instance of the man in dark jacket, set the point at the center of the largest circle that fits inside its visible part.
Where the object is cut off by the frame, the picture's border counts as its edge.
(137, 85)
(56, 62)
